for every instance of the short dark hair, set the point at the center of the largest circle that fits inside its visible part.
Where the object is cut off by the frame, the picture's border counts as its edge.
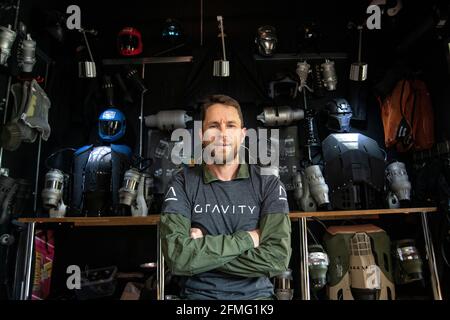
(220, 99)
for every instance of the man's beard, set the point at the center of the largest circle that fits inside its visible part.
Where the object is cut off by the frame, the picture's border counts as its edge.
(220, 158)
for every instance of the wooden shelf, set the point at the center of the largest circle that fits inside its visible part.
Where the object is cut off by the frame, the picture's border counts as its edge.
(154, 218)
(98, 221)
(357, 213)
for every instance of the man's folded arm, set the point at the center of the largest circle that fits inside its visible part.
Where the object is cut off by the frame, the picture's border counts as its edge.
(273, 254)
(187, 256)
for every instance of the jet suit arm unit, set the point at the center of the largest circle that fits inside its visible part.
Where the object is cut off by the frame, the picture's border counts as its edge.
(273, 254)
(184, 255)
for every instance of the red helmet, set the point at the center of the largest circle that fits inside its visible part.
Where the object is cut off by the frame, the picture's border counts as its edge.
(129, 41)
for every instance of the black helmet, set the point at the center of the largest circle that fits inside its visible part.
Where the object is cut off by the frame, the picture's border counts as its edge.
(339, 115)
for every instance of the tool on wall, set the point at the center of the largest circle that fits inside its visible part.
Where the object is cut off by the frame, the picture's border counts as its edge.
(358, 87)
(221, 67)
(358, 70)
(87, 69)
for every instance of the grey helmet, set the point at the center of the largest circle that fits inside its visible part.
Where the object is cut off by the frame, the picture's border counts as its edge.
(266, 40)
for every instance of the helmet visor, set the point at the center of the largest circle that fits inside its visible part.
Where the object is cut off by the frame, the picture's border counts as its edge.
(128, 42)
(110, 127)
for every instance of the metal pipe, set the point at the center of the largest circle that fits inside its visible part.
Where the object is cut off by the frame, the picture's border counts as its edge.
(28, 266)
(304, 272)
(222, 36)
(159, 266)
(16, 18)
(87, 45)
(437, 294)
(201, 23)
(360, 28)
(148, 60)
(141, 118)
(5, 113)
(36, 181)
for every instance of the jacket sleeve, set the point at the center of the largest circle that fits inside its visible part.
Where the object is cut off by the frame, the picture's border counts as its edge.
(273, 254)
(186, 256)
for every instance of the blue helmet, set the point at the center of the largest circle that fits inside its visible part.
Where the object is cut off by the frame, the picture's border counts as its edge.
(111, 125)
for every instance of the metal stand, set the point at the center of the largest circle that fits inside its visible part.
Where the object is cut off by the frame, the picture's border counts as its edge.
(23, 280)
(431, 258)
(36, 180)
(304, 272)
(159, 267)
(141, 118)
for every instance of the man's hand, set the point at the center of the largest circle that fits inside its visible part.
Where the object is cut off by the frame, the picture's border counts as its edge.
(196, 233)
(255, 234)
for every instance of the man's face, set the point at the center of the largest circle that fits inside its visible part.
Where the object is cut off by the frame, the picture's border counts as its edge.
(222, 133)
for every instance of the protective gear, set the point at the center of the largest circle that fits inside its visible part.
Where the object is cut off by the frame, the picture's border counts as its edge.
(97, 176)
(133, 77)
(407, 116)
(339, 115)
(282, 284)
(354, 171)
(266, 41)
(27, 54)
(360, 263)
(111, 125)
(8, 188)
(172, 31)
(408, 266)
(137, 192)
(317, 186)
(283, 87)
(329, 75)
(318, 266)
(7, 37)
(52, 194)
(398, 182)
(29, 117)
(129, 42)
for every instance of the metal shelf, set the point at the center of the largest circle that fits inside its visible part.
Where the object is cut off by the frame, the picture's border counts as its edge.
(303, 56)
(148, 60)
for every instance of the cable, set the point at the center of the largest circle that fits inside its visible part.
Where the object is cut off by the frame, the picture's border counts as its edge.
(312, 236)
(444, 255)
(320, 222)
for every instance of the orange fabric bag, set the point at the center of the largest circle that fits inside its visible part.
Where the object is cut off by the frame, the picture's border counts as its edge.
(408, 117)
